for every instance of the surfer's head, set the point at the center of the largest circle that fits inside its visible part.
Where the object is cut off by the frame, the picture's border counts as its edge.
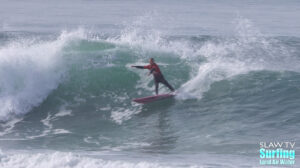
(151, 61)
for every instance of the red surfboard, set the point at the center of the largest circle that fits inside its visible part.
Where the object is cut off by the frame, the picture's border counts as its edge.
(150, 99)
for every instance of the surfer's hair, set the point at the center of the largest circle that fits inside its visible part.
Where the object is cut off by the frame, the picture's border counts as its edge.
(152, 59)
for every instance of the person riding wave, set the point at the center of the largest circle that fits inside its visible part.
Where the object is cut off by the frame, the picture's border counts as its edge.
(158, 76)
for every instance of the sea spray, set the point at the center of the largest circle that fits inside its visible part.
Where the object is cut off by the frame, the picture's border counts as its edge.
(227, 57)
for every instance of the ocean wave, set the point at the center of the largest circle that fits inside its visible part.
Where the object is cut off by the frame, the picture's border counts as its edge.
(80, 76)
(29, 71)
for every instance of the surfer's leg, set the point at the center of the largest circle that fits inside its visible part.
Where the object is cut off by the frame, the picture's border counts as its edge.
(156, 87)
(165, 82)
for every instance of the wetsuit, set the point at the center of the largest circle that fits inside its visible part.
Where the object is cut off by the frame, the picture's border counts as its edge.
(158, 76)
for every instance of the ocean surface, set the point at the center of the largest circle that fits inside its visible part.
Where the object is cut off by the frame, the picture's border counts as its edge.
(66, 82)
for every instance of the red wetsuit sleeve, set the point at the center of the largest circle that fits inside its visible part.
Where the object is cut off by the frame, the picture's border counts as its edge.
(153, 68)
(148, 67)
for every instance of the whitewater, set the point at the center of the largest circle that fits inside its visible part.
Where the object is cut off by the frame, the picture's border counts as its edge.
(66, 82)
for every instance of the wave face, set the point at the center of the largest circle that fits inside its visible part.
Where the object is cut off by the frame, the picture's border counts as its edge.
(73, 91)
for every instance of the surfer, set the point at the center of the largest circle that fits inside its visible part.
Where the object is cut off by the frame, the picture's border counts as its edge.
(158, 76)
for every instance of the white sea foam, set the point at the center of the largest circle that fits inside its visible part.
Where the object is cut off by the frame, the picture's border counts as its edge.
(68, 160)
(8, 126)
(61, 131)
(119, 114)
(110, 159)
(124, 110)
(63, 112)
(48, 126)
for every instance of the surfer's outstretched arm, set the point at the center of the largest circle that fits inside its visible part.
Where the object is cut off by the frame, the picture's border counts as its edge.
(139, 67)
(143, 67)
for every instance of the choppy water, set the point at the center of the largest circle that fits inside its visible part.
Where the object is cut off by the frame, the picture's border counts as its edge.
(66, 83)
